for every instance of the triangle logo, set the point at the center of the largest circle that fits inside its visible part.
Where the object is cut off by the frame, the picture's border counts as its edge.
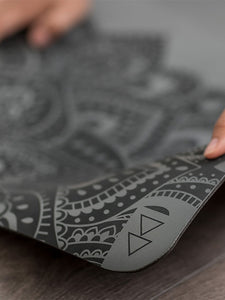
(135, 243)
(149, 224)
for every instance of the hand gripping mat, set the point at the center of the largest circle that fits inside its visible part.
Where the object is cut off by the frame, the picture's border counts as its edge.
(79, 124)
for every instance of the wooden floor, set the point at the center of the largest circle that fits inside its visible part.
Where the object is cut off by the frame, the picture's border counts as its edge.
(194, 270)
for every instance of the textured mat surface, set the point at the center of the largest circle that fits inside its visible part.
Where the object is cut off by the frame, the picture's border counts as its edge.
(81, 124)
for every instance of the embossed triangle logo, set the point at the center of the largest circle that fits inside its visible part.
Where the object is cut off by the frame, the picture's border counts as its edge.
(149, 224)
(135, 243)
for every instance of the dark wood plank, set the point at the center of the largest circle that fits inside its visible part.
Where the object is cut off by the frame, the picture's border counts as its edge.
(207, 284)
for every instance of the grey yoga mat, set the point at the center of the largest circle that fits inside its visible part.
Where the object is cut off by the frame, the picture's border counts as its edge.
(85, 126)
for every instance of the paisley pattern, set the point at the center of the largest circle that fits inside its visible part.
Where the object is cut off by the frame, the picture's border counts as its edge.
(87, 220)
(80, 124)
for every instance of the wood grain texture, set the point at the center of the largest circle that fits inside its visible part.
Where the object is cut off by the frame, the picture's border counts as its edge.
(31, 270)
(207, 284)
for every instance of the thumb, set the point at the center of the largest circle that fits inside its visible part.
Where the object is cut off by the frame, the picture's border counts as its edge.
(216, 147)
(57, 20)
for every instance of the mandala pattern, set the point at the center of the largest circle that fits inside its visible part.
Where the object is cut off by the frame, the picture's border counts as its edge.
(88, 220)
(78, 135)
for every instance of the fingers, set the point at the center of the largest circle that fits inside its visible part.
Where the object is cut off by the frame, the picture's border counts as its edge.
(50, 18)
(57, 20)
(16, 14)
(216, 147)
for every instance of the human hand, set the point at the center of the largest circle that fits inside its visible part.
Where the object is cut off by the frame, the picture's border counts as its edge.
(216, 147)
(45, 19)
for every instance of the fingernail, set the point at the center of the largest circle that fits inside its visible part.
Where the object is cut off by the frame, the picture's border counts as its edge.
(211, 146)
(40, 38)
